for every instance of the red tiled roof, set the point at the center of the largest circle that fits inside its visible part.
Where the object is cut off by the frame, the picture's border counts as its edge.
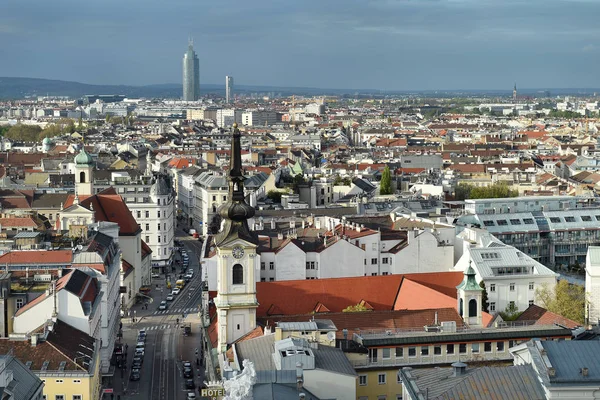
(109, 206)
(146, 250)
(541, 316)
(416, 296)
(179, 163)
(468, 168)
(38, 257)
(18, 222)
(352, 233)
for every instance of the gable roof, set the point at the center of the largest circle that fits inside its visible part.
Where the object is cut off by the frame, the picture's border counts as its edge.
(541, 316)
(37, 257)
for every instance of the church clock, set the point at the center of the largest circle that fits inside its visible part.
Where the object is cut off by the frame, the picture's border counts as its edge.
(237, 252)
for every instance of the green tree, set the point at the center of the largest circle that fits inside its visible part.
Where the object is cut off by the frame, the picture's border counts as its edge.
(28, 133)
(51, 130)
(499, 190)
(275, 195)
(484, 297)
(565, 299)
(511, 312)
(356, 308)
(339, 181)
(4, 129)
(386, 182)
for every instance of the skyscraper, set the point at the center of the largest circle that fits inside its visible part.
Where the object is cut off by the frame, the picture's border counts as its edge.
(228, 89)
(191, 74)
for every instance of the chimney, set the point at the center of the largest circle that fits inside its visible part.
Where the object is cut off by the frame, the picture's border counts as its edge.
(459, 368)
(357, 227)
(273, 223)
(436, 318)
(584, 371)
(318, 223)
(303, 224)
(299, 376)
(34, 339)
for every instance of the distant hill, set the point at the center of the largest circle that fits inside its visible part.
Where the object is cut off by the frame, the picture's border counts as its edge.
(19, 88)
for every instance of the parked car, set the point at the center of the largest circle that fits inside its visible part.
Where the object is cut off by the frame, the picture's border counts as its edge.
(189, 384)
(191, 396)
(162, 305)
(136, 363)
(170, 297)
(188, 373)
(155, 276)
(176, 291)
(187, 364)
(135, 374)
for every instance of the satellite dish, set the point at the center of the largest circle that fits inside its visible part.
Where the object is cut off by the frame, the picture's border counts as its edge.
(331, 335)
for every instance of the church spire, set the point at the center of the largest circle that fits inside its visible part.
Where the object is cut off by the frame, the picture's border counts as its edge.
(236, 212)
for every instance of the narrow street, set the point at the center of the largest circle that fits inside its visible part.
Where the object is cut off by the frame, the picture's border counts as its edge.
(167, 348)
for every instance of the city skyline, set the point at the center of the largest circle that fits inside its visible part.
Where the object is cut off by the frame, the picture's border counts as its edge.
(388, 45)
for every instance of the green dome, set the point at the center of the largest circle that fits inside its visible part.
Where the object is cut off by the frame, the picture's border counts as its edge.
(46, 140)
(83, 158)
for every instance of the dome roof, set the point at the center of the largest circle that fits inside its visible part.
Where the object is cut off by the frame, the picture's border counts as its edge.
(46, 140)
(83, 158)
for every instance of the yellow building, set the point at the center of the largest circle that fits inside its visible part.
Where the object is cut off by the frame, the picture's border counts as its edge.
(64, 358)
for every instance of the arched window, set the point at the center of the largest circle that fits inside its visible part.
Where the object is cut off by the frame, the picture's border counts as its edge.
(238, 274)
(472, 308)
(82, 177)
(460, 307)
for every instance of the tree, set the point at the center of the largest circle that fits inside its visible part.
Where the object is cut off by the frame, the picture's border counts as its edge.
(386, 182)
(28, 133)
(51, 130)
(4, 129)
(297, 181)
(511, 312)
(484, 297)
(496, 191)
(566, 300)
(356, 308)
(275, 195)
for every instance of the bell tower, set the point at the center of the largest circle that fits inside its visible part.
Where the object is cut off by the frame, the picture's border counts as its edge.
(236, 257)
(84, 167)
(469, 296)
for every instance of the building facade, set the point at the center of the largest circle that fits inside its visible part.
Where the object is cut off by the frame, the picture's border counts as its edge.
(191, 74)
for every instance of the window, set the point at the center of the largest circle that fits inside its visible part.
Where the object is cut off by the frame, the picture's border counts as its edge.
(530, 302)
(381, 378)
(158, 227)
(271, 265)
(147, 227)
(271, 279)
(165, 238)
(462, 348)
(569, 219)
(502, 222)
(307, 265)
(386, 353)
(528, 221)
(412, 351)
(586, 218)
(165, 226)
(147, 214)
(384, 260)
(492, 287)
(265, 279)
(474, 347)
(214, 198)
(224, 198)
(488, 223)
(384, 273)
(492, 306)
(515, 222)
(500, 346)
(362, 380)
(424, 350)
(437, 350)
(159, 239)
(487, 347)
(139, 214)
(262, 265)
(512, 287)
(449, 349)
(511, 305)
(59, 397)
(511, 343)
(158, 214)
(382, 397)
(238, 274)
(531, 284)
(20, 303)
(147, 239)
(76, 397)
(555, 220)
(399, 352)
(374, 274)
(373, 261)
(59, 381)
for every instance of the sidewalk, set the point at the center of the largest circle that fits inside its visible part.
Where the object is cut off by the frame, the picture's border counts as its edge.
(191, 348)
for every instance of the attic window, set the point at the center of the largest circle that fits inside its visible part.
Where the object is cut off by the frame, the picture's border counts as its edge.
(569, 219)
(515, 222)
(556, 220)
(489, 223)
(502, 222)
(528, 221)
(586, 218)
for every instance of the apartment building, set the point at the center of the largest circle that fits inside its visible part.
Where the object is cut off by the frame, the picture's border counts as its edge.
(211, 192)
(555, 231)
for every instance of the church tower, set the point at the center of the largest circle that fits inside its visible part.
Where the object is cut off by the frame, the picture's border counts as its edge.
(236, 257)
(84, 166)
(470, 298)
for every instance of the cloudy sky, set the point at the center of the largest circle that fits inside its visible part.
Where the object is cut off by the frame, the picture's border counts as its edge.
(364, 44)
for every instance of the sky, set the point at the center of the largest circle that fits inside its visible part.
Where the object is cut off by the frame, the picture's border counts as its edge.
(346, 44)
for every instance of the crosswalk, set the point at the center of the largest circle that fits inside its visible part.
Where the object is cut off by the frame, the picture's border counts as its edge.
(176, 311)
(158, 327)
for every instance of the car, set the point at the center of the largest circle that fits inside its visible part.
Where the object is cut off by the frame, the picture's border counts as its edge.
(163, 305)
(188, 373)
(135, 374)
(191, 396)
(139, 353)
(191, 272)
(176, 291)
(189, 384)
(155, 276)
(139, 348)
(142, 332)
(189, 276)
(137, 362)
(141, 338)
(170, 297)
(187, 364)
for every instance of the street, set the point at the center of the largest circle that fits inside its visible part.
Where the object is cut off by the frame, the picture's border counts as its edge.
(161, 374)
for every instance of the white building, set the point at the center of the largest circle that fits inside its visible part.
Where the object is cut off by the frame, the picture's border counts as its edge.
(228, 89)
(186, 192)
(210, 191)
(260, 118)
(228, 116)
(510, 276)
(592, 285)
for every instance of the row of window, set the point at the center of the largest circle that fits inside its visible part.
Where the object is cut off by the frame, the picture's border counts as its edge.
(511, 286)
(386, 353)
(492, 305)
(147, 214)
(164, 225)
(263, 264)
(62, 397)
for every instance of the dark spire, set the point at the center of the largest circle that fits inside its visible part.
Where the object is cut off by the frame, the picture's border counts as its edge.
(236, 212)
